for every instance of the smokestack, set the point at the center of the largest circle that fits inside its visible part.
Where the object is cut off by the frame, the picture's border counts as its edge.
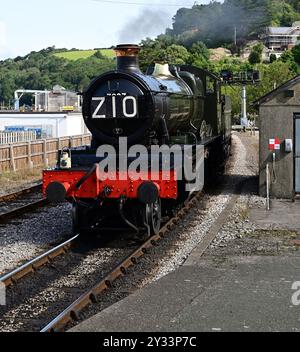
(128, 57)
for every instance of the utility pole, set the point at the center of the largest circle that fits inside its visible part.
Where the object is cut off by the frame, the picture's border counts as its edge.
(244, 118)
(235, 36)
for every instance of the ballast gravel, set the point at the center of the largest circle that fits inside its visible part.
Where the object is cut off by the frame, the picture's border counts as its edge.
(33, 234)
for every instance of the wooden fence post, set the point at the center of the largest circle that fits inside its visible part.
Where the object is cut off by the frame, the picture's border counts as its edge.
(45, 159)
(30, 163)
(12, 158)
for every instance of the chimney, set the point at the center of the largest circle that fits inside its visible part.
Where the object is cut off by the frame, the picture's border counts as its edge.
(128, 58)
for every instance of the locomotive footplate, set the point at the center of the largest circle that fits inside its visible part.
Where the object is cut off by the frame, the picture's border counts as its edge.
(60, 185)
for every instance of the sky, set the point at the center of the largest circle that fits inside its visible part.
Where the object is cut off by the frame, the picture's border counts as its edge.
(28, 25)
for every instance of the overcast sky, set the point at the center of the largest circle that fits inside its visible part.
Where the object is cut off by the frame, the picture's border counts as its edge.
(28, 25)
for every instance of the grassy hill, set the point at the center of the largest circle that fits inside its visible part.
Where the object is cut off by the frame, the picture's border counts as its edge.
(84, 54)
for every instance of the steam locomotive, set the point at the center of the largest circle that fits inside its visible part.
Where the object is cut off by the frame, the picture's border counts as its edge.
(169, 105)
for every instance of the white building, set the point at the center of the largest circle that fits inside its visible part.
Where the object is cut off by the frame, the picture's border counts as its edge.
(56, 100)
(279, 39)
(52, 125)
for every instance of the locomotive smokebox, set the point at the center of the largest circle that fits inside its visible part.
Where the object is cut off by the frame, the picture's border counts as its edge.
(128, 57)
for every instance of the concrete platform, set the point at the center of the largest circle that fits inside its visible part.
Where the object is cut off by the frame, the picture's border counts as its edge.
(283, 215)
(241, 294)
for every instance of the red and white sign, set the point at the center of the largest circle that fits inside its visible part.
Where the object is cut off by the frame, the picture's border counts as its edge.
(274, 144)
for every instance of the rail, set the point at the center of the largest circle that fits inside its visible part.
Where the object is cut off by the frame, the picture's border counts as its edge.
(72, 312)
(32, 265)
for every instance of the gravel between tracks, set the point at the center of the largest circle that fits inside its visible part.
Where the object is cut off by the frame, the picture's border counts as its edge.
(33, 234)
(38, 298)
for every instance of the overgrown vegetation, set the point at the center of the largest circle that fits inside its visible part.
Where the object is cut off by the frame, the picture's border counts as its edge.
(10, 180)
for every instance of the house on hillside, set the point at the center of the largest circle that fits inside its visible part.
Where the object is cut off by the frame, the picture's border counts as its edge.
(279, 39)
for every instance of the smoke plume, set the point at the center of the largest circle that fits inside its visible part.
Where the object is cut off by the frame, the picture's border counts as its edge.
(148, 23)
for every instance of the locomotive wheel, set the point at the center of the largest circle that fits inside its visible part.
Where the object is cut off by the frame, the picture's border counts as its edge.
(75, 220)
(153, 217)
(79, 220)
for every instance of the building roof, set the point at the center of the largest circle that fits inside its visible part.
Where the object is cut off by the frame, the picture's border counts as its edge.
(284, 30)
(276, 91)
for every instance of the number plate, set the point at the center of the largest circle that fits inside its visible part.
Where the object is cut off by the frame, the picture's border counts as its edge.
(114, 106)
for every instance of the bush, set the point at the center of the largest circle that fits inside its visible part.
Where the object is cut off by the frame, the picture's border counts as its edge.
(273, 58)
(254, 58)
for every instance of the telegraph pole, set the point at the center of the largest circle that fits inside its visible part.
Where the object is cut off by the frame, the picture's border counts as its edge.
(244, 118)
(235, 36)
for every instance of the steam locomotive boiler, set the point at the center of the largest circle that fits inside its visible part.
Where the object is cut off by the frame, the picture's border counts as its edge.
(169, 105)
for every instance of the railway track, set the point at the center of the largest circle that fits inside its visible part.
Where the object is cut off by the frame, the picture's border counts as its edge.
(72, 313)
(43, 280)
(68, 281)
(34, 311)
(33, 265)
(64, 317)
(21, 202)
(14, 195)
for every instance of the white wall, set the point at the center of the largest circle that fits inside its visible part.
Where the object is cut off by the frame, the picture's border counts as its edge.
(62, 124)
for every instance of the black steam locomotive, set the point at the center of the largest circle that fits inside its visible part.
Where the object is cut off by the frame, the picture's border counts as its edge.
(169, 105)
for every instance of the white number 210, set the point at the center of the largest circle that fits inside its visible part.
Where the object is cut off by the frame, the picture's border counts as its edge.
(101, 101)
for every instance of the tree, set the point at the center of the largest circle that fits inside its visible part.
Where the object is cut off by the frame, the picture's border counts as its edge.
(254, 58)
(42, 70)
(177, 54)
(273, 58)
(98, 54)
(296, 54)
(256, 54)
(200, 49)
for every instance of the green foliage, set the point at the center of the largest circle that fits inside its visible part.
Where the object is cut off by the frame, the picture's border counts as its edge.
(284, 13)
(76, 54)
(177, 54)
(273, 58)
(272, 76)
(296, 54)
(256, 54)
(98, 54)
(42, 70)
(292, 57)
(159, 51)
(215, 22)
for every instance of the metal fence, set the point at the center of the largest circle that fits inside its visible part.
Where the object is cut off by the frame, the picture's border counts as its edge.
(44, 152)
(17, 137)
